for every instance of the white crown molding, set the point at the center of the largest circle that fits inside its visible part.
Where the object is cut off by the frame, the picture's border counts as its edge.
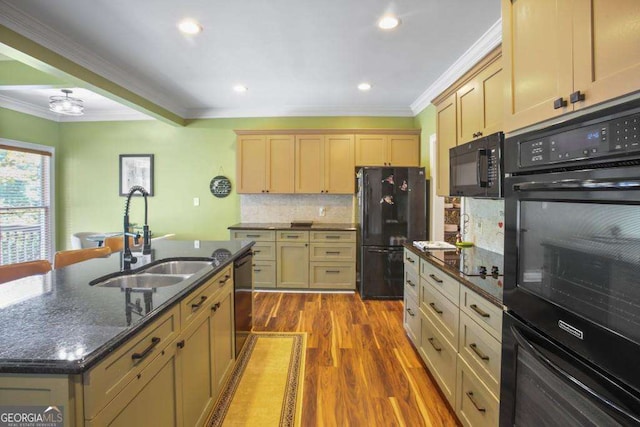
(27, 108)
(300, 111)
(485, 44)
(25, 25)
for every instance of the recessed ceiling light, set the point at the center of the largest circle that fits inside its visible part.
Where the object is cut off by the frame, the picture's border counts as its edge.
(240, 88)
(189, 26)
(364, 86)
(388, 22)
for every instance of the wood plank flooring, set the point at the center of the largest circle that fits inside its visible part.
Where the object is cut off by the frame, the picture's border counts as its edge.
(361, 369)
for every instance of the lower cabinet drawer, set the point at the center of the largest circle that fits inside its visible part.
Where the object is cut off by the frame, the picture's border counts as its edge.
(488, 315)
(442, 312)
(328, 275)
(411, 282)
(412, 319)
(475, 405)
(481, 351)
(264, 251)
(255, 235)
(440, 357)
(264, 274)
(440, 280)
(197, 301)
(344, 252)
(105, 380)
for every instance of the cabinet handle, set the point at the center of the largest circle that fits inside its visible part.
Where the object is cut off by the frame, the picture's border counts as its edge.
(223, 281)
(180, 344)
(257, 270)
(559, 103)
(332, 237)
(411, 261)
(470, 396)
(438, 349)
(215, 306)
(479, 311)
(253, 235)
(332, 252)
(436, 278)
(479, 134)
(146, 351)
(410, 312)
(576, 96)
(332, 271)
(434, 308)
(410, 283)
(475, 134)
(263, 191)
(196, 306)
(292, 236)
(480, 354)
(256, 252)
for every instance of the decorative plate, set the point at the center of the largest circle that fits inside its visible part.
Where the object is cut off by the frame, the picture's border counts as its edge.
(220, 186)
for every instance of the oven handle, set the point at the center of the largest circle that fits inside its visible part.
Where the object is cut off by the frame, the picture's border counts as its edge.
(616, 184)
(568, 377)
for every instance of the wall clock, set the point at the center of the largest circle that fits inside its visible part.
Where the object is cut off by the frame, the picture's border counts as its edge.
(220, 186)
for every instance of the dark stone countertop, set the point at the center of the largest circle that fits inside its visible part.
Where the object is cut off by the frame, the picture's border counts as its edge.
(489, 288)
(316, 226)
(58, 324)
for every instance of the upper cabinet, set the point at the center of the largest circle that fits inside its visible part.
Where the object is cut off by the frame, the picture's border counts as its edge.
(470, 108)
(265, 163)
(388, 150)
(324, 164)
(312, 161)
(563, 56)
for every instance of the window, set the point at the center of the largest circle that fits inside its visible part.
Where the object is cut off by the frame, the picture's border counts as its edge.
(26, 214)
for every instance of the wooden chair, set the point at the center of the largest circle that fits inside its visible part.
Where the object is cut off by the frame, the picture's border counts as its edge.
(64, 258)
(116, 243)
(11, 272)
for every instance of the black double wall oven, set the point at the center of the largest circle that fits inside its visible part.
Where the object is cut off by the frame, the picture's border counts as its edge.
(571, 335)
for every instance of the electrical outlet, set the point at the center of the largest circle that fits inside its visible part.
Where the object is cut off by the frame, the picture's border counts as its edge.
(478, 225)
(322, 211)
(196, 244)
(196, 201)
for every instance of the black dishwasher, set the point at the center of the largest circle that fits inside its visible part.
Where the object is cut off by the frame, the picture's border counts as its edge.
(243, 297)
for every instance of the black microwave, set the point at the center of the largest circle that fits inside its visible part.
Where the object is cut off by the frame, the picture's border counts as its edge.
(475, 168)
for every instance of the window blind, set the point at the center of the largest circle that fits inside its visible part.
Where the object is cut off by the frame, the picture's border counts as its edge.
(25, 205)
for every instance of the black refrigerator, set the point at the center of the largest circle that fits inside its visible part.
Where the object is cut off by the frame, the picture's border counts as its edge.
(392, 205)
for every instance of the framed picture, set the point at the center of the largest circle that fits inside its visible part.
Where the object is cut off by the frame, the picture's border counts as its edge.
(136, 169)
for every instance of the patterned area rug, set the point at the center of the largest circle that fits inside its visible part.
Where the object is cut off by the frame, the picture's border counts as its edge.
(265, 387)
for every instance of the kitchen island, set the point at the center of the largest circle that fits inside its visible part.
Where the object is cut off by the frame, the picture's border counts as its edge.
(104, 353)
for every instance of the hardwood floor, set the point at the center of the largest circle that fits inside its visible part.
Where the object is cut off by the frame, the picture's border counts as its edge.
(361, 369)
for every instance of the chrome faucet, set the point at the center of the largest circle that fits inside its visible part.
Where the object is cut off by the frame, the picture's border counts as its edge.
(128, 258)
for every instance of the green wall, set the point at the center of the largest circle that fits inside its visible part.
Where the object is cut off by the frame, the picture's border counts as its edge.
(426, 121)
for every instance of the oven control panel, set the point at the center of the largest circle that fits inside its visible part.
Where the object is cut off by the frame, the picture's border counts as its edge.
(596, 140)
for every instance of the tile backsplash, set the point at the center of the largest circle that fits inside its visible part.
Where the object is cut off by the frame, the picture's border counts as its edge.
(482, 222)
(284, 208)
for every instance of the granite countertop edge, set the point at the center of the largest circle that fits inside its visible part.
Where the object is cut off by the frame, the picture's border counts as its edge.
(455, 274)
(75, 367)
(320, 226)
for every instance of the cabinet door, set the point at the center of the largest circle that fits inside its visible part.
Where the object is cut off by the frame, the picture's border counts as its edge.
(252, 155)
(606, 41)
(280, 161)
(446, 131)
(222, 339)
(469, 111)
(309, 164)
(292, 268)
(491, 80)
(403, 150)
(537, 59)
(371, 150)
(339, 164)
(196, 362)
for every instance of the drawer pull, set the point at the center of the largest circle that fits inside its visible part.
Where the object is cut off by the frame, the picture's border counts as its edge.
(253, 235)
(292, 236)
(411, 313)
(434, 308)
(180, 344)
(410, 283)
(332, 271)
(479, 311)
(470, 396)
(436, 278)
(215, 306)
(411, 260)
(226, 278)
(256, 251)
(438, 349)
(480, 354)
(257, 270)
(333, 252)
(196, 306)
(332, 237)
(139, 356)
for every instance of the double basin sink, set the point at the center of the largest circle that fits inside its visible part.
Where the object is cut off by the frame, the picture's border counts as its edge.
(163, 273)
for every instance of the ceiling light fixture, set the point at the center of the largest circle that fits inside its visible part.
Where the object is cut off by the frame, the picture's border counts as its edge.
(364, 86)
(189, 26)
(66, 104)
(240, 88)
(388, 22)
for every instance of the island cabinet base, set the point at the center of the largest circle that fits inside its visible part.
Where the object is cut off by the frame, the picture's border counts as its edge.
(167, 374)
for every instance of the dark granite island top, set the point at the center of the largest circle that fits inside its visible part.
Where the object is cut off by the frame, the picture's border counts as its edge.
(58, 324)
(316, 226)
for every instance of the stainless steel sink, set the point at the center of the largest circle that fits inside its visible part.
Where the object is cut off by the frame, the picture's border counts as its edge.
(178, 267)
(143, 281)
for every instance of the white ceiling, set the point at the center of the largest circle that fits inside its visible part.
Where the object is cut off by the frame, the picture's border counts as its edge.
(297, 57)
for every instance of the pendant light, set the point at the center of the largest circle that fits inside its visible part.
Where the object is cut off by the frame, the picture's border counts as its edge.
(66, 104)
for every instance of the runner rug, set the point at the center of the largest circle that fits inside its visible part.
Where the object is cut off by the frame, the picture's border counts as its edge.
(265, 387)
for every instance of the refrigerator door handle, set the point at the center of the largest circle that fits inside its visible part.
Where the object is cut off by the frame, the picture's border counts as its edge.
(365, 202)
(379, 251)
